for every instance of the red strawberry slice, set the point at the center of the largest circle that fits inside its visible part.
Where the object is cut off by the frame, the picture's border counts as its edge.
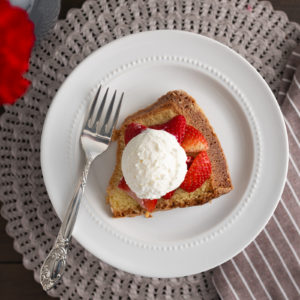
(148, 204)
(194, 141)
(123, 185)
(198, 172)
(175, 126)
(189, 161)
(132, 130)
(168, 195)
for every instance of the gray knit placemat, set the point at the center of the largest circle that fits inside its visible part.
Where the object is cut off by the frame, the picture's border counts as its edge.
(253, 29)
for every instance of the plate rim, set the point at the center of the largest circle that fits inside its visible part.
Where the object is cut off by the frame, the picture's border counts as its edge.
(90, 57)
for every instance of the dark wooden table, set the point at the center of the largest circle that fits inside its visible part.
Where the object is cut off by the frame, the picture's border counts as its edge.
(15, 281)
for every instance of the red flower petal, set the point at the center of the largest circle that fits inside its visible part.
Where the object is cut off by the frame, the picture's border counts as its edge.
(17, 39)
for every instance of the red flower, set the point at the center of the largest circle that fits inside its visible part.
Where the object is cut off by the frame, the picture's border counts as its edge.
(16, 42)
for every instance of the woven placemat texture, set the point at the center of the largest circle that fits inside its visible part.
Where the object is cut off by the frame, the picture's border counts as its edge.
(253, 29)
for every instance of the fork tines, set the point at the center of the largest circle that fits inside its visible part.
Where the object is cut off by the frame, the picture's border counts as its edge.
(95, 117)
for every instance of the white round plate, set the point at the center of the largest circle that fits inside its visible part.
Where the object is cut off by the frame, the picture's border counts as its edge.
(246, 119)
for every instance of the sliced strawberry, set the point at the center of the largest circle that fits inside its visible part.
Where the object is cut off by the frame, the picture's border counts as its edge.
(198, 172)
(175, 126)
(194, 141)
(148, 204)
(168, 195)
(133, 130)
(189, 161)
(123, 185)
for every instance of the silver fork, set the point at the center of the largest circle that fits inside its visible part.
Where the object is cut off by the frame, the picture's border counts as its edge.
(95, 138)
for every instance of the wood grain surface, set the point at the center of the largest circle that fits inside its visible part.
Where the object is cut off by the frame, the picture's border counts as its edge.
(15, 281)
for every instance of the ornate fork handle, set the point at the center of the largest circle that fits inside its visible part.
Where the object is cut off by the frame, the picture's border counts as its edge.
(95, 138)
(55, 263)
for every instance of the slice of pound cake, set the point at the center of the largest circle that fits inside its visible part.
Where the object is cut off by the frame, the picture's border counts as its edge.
(168, 156)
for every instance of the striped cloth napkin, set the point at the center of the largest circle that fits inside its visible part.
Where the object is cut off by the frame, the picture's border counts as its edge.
(269, 267)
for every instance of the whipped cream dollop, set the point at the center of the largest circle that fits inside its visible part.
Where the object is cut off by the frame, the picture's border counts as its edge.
(153, 164)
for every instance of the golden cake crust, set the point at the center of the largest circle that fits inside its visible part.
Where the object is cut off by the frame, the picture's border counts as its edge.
(165, 108)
